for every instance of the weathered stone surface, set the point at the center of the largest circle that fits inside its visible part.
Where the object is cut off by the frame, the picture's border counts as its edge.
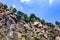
(57, 38)
(13, 28)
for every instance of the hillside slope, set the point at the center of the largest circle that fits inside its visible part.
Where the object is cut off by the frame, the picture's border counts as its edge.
(14, 28)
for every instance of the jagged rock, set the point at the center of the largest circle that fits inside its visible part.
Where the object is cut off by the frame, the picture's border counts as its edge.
(0, 24)
(1, 4)
(13, 28)
(57, 38)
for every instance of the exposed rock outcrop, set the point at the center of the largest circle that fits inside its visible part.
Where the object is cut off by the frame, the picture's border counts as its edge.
(12, 28)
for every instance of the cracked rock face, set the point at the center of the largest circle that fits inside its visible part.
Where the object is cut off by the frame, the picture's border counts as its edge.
(10, 29)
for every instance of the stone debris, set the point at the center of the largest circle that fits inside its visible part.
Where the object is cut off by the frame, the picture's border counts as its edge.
(10, 29)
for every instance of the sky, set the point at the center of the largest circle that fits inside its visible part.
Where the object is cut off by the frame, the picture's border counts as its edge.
(49, 10)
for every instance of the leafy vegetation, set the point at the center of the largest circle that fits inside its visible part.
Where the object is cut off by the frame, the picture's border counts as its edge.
(12, 9)
(57, 23)
(42, 21)
(32, 17)
(27, 18)
(5, 6)
(27, 30)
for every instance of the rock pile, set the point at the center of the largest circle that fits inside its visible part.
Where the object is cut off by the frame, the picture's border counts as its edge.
(13, 28)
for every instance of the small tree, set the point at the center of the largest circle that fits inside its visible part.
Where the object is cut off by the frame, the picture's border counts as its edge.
(37, 18)
(20, 14)
(43, 21)
(5, 6)
(12, 9)
(57, 23)
(32, 17)
(25, 17)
